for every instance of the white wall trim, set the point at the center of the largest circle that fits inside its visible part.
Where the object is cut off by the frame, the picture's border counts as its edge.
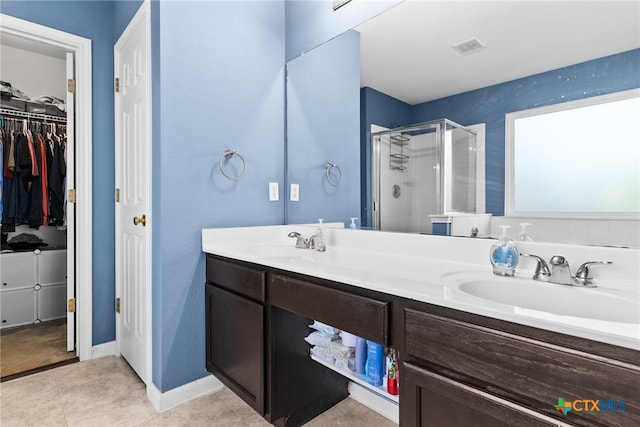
(106, 349)
(379, 404)
(174, 397)
(81, 47)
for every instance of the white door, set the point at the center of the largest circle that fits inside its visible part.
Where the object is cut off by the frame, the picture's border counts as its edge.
(133, 200)
(70, 206)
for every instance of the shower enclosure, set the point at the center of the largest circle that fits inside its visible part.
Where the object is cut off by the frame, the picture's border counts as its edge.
(420, 171)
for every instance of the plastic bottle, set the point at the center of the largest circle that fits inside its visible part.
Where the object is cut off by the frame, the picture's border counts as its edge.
(504, 254)
(353, 225)
(523, 236)
(392, 374)
(361, 355)
(320, 237)
(375, 363)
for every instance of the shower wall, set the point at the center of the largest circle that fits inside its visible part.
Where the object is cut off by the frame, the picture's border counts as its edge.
(409, 212)
(423, 170)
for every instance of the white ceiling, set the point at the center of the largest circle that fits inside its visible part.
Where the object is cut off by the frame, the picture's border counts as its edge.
(406, 51)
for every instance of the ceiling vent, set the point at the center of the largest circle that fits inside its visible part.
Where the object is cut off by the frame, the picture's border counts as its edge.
(468, 46)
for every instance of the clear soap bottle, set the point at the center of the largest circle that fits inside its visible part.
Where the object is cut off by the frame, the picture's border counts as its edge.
(523, 236)
(504, 255)
(320, 237)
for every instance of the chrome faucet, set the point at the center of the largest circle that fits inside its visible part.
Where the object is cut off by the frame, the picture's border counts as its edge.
(301, 242)
(560, 272)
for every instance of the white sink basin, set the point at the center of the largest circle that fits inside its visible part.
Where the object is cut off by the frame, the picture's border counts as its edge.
(574, 301)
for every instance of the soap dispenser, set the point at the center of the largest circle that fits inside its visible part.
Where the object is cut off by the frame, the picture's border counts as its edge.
(353, 225)
(320, 237)
(504, 254)
(523, 236)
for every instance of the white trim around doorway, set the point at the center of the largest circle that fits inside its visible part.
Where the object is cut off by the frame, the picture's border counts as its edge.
(81, 47)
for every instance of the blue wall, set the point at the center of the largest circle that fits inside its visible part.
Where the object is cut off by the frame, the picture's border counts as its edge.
(489, 105)
(309, 23)
(220, 85)
(323, 114)
(93, 20)
(382, 110)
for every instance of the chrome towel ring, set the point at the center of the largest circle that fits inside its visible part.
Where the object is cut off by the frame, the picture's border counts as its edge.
(228, 154)
(327, 169)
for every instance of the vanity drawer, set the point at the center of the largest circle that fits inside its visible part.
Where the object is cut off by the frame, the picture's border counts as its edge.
(526, 370)
(362, 316)
(242, 280)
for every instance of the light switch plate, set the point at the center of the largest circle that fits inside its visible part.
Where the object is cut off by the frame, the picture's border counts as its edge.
(274, 192)
(295, 193)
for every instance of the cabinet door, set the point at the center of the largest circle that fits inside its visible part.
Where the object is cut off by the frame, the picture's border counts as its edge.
(235, 344)
(52, 267)
(18, 270)
(431, 400)
(52, 302)
(18, 307)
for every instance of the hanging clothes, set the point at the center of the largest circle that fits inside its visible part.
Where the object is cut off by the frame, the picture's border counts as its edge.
(57, 171)
(1, 174)
(33, 174)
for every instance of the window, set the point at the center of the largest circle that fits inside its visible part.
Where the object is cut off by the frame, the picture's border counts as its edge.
(575, 159)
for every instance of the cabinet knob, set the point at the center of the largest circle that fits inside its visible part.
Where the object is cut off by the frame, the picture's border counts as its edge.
(4, 283)
(140, 220)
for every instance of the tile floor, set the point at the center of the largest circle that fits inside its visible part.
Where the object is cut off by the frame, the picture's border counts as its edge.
(106, 392)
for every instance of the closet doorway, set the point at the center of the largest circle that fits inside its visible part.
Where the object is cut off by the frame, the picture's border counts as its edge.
(46, 267)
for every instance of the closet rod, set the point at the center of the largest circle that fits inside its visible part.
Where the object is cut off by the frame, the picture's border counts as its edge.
(25, 115)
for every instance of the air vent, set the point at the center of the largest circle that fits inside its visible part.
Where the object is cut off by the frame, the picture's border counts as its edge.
(468, 46)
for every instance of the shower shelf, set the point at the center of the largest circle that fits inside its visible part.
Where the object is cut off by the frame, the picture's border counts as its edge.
(399, 140)
(401, 158)
(397, 161)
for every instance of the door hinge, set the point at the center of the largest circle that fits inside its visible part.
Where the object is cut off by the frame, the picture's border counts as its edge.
(117, 84)
(71, 85)
(117, 195)
(71, 196)
(117, 305)
(71, 305)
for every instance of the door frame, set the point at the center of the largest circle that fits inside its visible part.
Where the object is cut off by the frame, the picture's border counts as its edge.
(141, 18)
(81, 47)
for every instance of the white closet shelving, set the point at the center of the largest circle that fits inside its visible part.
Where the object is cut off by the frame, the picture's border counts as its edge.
(34, 287)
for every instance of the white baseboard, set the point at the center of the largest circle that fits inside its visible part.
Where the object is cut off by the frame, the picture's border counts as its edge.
(379, 404)
(106, 349)
(174, 397)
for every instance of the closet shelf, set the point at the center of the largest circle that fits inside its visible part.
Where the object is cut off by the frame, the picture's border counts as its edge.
(25, 115)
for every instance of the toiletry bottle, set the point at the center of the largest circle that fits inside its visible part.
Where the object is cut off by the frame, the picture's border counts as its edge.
(353, 225)
(320, 237)
(523, 236)
(392, 377)
(504, 255)
(375, 363)
(361, 355)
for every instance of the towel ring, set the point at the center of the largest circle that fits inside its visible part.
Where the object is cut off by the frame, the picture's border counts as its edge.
(328, 166)
(227, 155)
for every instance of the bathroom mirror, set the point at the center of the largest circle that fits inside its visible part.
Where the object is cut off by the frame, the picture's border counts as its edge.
(514, 40)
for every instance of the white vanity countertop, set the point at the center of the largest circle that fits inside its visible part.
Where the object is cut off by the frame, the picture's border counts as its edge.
(436, 269)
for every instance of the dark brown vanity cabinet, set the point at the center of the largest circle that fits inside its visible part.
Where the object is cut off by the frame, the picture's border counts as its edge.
(258, 349)
(429, 399)
(456, 368)
(457, 373)
(235, 329)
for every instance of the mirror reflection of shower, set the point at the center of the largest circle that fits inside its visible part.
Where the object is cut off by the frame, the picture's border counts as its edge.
(421, 171)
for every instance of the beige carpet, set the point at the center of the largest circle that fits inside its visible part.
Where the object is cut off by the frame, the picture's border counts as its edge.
(29, 347)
